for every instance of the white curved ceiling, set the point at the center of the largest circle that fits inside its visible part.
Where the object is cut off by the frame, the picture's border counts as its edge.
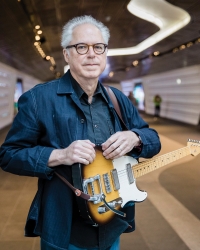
(166, 16)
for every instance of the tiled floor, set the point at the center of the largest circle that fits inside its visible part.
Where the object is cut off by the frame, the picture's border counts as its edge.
(169, 219)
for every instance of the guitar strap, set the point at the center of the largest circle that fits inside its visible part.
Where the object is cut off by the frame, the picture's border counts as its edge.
(116, 105)
(75, 190)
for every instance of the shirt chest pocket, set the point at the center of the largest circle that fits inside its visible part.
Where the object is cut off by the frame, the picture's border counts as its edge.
(66, 126)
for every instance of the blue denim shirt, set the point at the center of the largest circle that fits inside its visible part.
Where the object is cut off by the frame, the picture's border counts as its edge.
(49, 118)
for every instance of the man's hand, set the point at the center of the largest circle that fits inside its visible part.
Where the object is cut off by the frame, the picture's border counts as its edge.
(81, 151)
(119, 144)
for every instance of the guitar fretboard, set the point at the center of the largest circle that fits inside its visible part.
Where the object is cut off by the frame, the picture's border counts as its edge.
(160, 161)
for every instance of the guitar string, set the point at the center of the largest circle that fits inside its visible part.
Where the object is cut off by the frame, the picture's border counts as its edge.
(149, 164)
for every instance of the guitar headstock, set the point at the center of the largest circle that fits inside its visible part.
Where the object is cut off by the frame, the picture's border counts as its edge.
(194, 147)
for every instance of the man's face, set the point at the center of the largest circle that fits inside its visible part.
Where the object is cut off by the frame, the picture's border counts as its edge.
(90, 65)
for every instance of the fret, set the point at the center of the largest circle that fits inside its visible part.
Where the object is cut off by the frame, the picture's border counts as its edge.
(160, 161)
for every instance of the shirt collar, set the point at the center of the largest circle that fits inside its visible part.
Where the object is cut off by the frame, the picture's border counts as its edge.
(79, 91)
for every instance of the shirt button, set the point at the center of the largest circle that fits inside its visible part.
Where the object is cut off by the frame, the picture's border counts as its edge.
(95, 126)
(82, 120)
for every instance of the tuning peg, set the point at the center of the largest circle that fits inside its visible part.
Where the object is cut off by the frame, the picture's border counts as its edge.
(195, 141)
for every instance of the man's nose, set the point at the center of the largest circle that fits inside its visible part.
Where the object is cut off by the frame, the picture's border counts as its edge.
(91, 51)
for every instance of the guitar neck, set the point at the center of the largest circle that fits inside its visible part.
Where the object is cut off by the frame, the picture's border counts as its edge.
(160, 161)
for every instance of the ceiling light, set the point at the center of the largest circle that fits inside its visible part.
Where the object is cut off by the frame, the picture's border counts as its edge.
(40, 50)
(39, 32)
(166, 16)
(111, 74)
(189, 44)
(156, 53)
(37, 27)
(178, 81)
(182, 47)
(175, 50)
(107, 18)
(135, 63)
(37, 38)
(197, 41)
(52, 61)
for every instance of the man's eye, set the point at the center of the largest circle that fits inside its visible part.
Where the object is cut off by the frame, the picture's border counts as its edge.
(81, 47)
(98, 47)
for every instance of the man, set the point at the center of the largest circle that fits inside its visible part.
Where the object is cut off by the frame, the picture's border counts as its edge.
(59, 123)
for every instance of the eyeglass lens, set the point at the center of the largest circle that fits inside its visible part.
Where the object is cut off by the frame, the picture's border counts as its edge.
(83, 48)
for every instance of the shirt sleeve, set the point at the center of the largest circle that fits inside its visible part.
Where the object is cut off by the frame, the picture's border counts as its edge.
(21, 153)
(150, 140)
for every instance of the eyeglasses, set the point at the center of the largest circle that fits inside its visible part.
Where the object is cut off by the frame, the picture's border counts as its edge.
(82, 48)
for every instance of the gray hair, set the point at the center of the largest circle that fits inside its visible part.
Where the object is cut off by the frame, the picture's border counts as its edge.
(69, 27)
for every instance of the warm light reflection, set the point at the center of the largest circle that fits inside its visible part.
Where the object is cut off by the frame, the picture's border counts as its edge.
(37, 27)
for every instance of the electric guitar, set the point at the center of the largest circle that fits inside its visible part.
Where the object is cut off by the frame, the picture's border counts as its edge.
(112, 183)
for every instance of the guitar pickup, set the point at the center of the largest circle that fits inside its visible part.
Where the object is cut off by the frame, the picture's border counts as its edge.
(129, 173)
(107, 185)
(115, 179)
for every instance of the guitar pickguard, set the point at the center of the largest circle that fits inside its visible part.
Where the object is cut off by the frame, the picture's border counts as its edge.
(128, 191)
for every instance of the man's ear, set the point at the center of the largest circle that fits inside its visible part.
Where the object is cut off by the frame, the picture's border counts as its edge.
(66, 56)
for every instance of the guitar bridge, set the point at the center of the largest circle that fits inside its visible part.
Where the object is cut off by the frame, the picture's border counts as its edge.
(90, 188)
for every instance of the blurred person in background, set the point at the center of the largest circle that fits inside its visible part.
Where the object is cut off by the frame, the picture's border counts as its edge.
(157, 103)
(132, 98)
(60, 123)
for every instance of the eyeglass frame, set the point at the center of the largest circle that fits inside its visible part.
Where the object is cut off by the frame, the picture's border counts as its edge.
(75, 46)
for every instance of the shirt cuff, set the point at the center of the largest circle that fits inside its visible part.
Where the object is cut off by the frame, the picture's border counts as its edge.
(42, 170)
